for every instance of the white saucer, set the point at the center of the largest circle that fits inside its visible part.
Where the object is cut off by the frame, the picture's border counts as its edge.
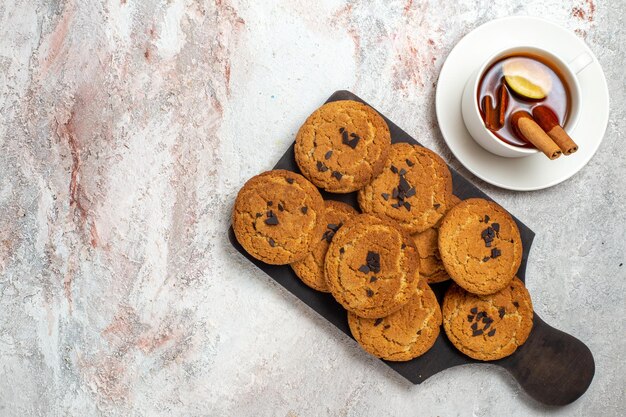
(536, 171)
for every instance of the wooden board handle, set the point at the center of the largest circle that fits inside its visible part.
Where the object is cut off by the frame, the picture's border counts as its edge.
(552, 367)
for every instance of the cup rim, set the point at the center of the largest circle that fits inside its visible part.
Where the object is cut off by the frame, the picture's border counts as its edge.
(489, 61)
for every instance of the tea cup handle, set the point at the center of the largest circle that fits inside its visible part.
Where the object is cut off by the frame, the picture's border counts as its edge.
(580, 62)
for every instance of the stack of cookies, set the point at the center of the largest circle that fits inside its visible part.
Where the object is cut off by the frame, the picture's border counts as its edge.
(411, 232)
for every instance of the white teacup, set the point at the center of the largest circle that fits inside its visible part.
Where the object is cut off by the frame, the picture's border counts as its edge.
(471, 113)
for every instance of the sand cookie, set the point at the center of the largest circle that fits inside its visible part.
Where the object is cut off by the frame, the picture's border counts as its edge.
(488, 327)
(452, 201)
(278, 217)
(310, 269)
(406, 334)
(342, 146)
(372, 268)
(431, 267)
(412, 189)
(480, 246)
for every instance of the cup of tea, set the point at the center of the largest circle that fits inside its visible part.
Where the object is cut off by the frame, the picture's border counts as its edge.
(519, 80)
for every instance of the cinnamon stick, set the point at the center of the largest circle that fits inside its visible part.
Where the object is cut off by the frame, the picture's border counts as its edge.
(495, 113)
(527, 129)
(548, 121)
(491, 115)
(503, 103)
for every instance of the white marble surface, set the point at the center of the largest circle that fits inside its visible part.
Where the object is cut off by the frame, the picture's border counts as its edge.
(126, 129)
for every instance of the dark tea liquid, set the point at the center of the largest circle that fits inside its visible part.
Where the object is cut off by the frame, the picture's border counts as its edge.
(557, 99)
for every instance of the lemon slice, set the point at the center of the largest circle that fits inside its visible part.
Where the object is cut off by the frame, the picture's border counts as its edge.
(527, 77)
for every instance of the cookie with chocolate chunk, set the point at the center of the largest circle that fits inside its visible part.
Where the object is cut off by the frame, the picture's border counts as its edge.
(372, 267)
(342, 146)
(412, 189)
(488, 327)
(310, 269)
(480, 246)
(278, 217)
(406, 334)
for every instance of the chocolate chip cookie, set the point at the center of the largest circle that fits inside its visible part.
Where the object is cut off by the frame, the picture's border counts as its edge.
(372, 267)
(278, 217)
(480, 246)
(412, 189)
(310, 269)
(488, 327)
(406, 334)
(342, 146)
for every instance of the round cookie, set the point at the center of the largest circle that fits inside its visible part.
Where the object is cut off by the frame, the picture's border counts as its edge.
(278, 216)
(372, 268)
(431, 267)
(406, 334)
(412, 189)
(480, 246)
(342, 146)
(310, 269)
(488, 327)
(453, 200)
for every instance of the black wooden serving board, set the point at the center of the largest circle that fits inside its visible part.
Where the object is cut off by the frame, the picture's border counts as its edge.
(552, 366)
